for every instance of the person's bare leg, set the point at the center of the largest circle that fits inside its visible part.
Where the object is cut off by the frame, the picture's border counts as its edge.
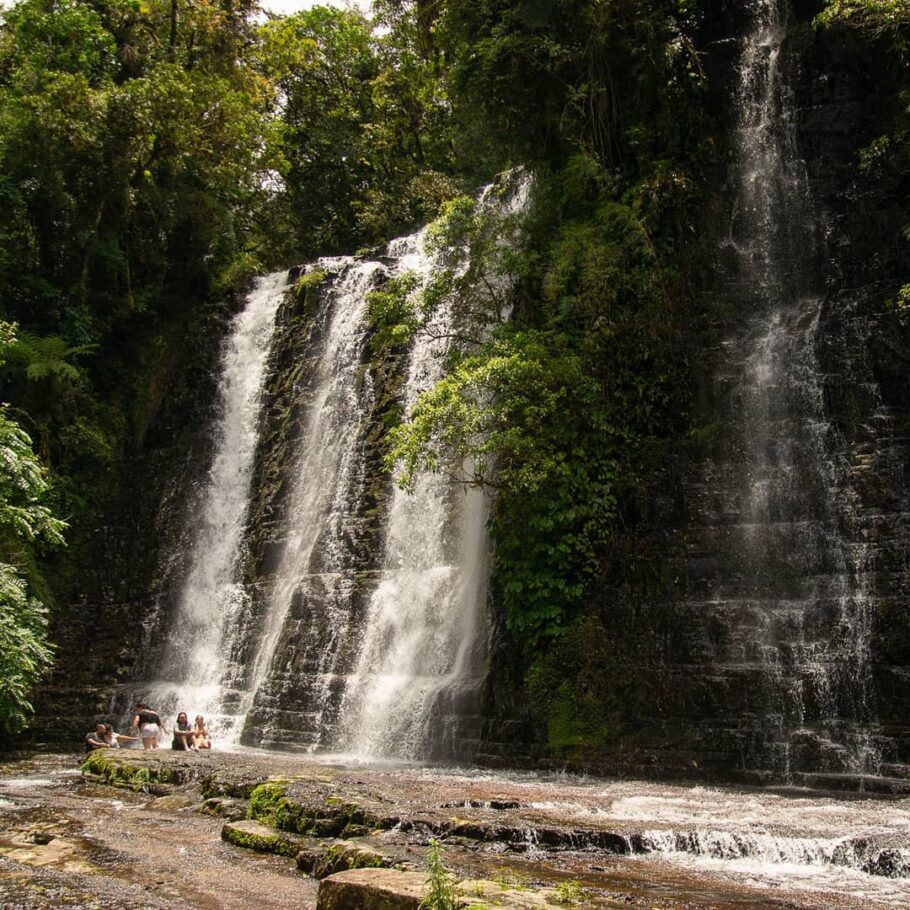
(147, 742)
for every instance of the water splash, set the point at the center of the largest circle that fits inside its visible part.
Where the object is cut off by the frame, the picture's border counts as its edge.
(192, 664)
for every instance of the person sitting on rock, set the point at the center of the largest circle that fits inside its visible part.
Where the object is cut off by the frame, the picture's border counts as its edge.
(183, 734)
(96, 740)
(201, 733)
(113, 739)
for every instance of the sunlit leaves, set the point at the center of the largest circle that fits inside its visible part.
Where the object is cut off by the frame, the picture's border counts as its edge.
(26, 522)
(24, 651)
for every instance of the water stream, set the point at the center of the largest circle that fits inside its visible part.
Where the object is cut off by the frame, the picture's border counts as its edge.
(804, 578)
(192, 662)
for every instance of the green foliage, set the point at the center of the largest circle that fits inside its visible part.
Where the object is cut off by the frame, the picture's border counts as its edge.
(27, 525)
(134, 152)
(24, 487)
(441, 891)
(24, 651)
(880, 17)
(543, 80)
(568, 406)
(46, 358)
(886, 23)
(392, 313)
(364, 142)
(559, 409)
(571, 891)
(900, 305)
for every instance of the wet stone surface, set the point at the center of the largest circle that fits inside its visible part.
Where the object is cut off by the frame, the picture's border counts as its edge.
(71, 841)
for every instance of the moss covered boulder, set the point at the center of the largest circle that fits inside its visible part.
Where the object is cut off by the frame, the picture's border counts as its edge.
(391, 889)
(323, 858)
(262, 839)
(136, 771)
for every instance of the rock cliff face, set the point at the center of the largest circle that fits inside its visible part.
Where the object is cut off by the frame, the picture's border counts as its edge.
(752, 621)
(126, 569)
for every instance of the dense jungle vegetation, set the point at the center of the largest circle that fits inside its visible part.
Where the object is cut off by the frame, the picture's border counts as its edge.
(156, 154)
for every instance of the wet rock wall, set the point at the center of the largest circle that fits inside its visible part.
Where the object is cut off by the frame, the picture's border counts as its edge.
(697, 656)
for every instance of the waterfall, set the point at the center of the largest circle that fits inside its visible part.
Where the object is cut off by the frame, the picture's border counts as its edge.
(423, 649)
(193, 662)
(425, 631)
(308, 608)
(316, 611)
(806, 603)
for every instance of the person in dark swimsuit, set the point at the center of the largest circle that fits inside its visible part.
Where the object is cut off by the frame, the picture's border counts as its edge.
(183, 734)
(150, 725)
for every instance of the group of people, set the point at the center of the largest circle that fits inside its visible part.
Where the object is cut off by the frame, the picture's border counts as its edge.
(149, 725)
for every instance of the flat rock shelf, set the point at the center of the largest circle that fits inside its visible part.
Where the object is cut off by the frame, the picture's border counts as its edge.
(127, 828)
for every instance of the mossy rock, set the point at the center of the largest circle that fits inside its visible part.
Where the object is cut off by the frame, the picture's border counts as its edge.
(119, 769)
(306, 292)
(323, 858)
(330, 817)
(261, 838)
(390, 889)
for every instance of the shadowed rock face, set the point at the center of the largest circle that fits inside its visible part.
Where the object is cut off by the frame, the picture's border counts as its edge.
(751, 622)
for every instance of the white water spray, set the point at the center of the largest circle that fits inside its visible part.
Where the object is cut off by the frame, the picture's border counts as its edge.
(425, 641)
(193, 660)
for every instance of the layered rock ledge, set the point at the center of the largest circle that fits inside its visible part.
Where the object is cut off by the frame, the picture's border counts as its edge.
(512, 841)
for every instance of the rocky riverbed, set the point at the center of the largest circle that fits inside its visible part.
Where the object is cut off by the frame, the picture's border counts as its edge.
(228, 830)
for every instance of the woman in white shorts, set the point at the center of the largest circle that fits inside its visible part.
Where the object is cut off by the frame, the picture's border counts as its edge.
(150, 725)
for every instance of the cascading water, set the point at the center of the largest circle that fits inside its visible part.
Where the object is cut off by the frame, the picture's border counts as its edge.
(193, 664)
(298, 651)
(808, 611)
(425, 632)
(424, 646)
(307, 637)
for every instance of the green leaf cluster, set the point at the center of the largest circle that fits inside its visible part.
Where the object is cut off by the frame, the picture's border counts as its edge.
(27, 525)
(566, 408)
(441, 893)
(365, 145)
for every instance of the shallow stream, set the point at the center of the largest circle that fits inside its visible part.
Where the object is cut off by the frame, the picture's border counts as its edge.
(66, 842)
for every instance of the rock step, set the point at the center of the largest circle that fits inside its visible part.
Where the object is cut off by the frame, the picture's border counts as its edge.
(262, 839)
(390, 889)
(314, 856)
(323, 858)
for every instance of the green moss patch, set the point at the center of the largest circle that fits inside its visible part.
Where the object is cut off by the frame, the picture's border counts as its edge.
(262, 839)
(331, 817)
(119, 769)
